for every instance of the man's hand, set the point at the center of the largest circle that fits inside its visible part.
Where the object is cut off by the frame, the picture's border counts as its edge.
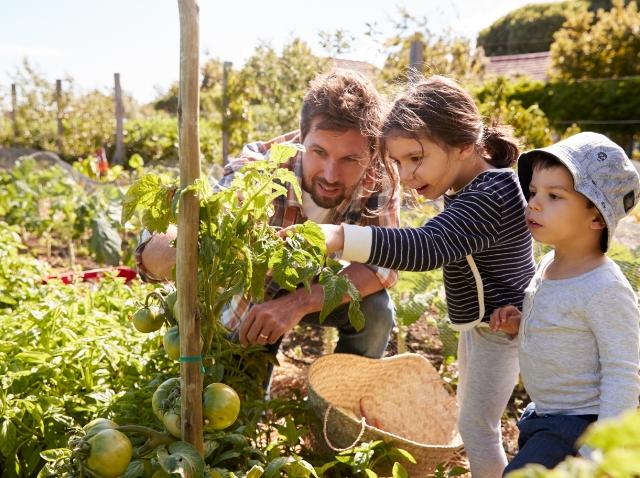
(269, 321)
(506, 319)
(158, 256)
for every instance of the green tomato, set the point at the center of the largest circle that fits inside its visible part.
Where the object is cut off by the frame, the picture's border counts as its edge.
(97, 425)
(160, 401)
(176, 311)
(173, 423)
(148, 319)
(166, 406)
(171, 300)
(110, 453)
(221, 406)
(171, 342)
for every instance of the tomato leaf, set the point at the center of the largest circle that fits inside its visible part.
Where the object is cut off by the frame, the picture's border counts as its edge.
(274, 467)
(8, 439)
(135, 470)
(256, 471)
(105, 241)
(400, 454)
(181, 458)
(299, 468)
(398, 471)
(154, 199)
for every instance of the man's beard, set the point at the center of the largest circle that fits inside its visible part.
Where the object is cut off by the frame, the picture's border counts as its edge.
(318, 198)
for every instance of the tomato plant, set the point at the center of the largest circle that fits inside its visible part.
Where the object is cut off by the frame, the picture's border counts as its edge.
(237, 249)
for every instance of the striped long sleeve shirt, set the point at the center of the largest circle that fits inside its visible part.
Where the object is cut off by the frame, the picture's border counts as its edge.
(485, 220)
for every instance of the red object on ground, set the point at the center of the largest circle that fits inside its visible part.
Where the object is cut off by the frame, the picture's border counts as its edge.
(103, 163)
(93, 275)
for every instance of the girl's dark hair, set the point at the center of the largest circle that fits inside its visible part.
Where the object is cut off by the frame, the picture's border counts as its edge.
(439, 109)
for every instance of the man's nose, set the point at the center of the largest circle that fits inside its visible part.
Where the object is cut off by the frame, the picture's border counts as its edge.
(331, 171)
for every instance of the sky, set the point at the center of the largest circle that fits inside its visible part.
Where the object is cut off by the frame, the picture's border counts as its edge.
(90, 40)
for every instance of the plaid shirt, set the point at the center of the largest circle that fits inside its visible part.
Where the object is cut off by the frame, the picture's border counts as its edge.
(288, 211)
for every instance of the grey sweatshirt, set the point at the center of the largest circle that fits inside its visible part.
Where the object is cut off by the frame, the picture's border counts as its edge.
(580, 342)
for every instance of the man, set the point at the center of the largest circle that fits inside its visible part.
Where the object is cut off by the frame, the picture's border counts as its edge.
(343, 180)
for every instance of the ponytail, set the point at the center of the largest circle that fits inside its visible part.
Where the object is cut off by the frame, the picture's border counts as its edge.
(500, 145)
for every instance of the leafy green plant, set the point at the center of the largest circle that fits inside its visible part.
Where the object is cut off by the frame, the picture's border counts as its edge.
(48, 202)
(237, 249)
(21, 287)
(237, 246)
(361, 461)
(67, 354)
(442, 472)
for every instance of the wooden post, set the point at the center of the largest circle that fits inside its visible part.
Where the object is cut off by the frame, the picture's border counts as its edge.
(118, 155)
(188, 222)
(416, 59)
(14, 115)
(59, 115)
(225, 117)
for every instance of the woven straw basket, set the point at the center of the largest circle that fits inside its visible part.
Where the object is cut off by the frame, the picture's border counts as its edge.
(399, 399)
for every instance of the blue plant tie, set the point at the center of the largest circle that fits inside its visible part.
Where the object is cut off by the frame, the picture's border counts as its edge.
(191, 359)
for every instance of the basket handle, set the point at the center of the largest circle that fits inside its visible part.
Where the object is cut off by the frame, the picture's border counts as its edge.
(326, 437)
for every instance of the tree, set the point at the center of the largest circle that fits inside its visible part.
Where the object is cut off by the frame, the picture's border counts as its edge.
(527, 29)
(336, 43)
(605, 44)
(530, 124)
(88, 118)
(265, 96)
(276, 85)
(443, 54)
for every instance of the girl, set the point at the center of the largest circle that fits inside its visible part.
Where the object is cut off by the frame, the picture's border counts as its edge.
(435, 137)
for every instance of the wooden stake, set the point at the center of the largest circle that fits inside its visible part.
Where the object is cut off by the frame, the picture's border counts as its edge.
(14, 115)
(416, 59)
(59, 115)
(188, 222)
(225, 117)
(118, 155)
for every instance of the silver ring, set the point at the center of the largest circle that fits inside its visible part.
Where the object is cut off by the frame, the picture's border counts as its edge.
(262, 336)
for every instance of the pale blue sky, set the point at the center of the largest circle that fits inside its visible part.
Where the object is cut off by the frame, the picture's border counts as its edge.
(91, 39)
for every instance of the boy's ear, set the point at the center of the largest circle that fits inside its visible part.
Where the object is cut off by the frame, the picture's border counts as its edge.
(597, 223)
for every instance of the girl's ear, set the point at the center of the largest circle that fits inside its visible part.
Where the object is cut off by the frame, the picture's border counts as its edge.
(466, 150)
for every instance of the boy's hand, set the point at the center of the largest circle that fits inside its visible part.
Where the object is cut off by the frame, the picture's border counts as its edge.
(506, 319)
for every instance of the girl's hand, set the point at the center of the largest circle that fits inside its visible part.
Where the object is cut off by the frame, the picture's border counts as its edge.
(333, 236)
(506, 319)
